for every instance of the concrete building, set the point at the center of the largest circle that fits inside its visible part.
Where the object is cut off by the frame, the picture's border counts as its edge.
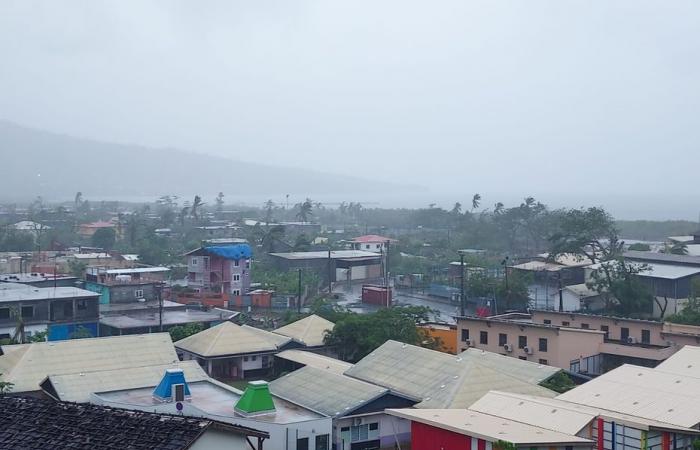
(38, 279)
(441, 429)
(371, 243)
(60, 311)
(582, 343)
(548, 274)
(341, 265)
(222, 269)
(138, 284)
(289, 426)
(356, 407)
(87, 230)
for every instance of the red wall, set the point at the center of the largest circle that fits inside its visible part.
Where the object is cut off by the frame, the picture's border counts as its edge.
(425, 437)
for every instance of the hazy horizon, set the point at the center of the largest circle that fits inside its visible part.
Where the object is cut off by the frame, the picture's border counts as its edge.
(575, 103)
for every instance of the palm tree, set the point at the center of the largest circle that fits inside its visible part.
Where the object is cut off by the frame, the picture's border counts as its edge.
(78, 199)
(457, 209)
(476, 201)
(196, 205)
(498, 208)
(305, 210)
(220, 202)
(270, 237)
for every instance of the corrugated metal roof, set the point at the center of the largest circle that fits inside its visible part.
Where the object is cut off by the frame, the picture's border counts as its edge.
(662, 257)
(77, 387)
(324, 391)
(228, 339)
(488, 427)
(27, 365)
(528, 371)
(658, 270)
(335, 254)
(559, 415)
(28, 293)
(685, 361)
(442, 380)
(643, 392)
(136, 270)
(315, 360)
(309, 331)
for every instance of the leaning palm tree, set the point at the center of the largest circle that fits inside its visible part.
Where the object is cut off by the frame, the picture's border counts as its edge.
(476, 201)
(197, 204)
(305, 210)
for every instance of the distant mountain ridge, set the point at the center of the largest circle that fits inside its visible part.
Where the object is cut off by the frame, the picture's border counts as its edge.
(35, 162)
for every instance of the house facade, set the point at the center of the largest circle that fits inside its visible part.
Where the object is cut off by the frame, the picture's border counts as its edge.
(222, 269)
(61, 312)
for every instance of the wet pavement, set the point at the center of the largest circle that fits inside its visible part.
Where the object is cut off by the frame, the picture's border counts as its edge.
(350, 297)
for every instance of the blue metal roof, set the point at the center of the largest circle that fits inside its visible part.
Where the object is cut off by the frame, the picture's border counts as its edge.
(164, 390)
(235, 252)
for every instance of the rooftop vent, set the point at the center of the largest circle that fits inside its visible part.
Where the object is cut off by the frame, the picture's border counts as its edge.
(255, 400)
(172, 387)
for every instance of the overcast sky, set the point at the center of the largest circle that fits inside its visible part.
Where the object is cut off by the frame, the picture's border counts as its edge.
(580, 100)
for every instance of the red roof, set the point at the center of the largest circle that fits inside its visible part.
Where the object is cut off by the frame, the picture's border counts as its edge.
(371, 238)
(98, 224)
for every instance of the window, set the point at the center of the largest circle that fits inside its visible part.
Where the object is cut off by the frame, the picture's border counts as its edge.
(253, 358)
(81, 304)
(606, 329)
(236, 263)
(624, 334)
(543, 344)
(585, 326)
(564, 323)
(303, 444)
(367, 246)
(4, 313)
(547, 322)
(543, 362)
(646, 337)
(236, 277)
(502, 339)
(484, 337)
(365, 432)
(322, 442)
(27, 311)
(522, 341)
(245, 358)
(465, 334)
(194, 261)
(524, 358)
(138, 293)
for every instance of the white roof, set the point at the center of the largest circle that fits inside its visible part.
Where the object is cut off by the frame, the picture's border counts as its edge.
(228, 339)
(685, 361)
(28, 293)
(92, 256)
(580, 290)
(77, 387)
(682, 239)
(309, 331)
(315, 360)
(558, 415)
(136, 270)
(539, 266)
(28, 225)
(485, 426)
(26, 365)
(643, 392)
(130, 257)
(658, 270)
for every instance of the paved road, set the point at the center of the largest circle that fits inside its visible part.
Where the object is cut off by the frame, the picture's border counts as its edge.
(350, 298)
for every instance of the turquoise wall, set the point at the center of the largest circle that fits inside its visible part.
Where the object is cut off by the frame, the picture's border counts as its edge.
(100, 289)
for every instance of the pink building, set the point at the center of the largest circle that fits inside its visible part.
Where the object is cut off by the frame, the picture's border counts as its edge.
(582, 343)
(220, 269)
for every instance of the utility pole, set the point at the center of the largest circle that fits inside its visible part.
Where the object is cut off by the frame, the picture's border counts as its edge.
(330, 272)
(561, 295)
(461, 282)
(504, 263)
(159, 292)
(299, 293)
